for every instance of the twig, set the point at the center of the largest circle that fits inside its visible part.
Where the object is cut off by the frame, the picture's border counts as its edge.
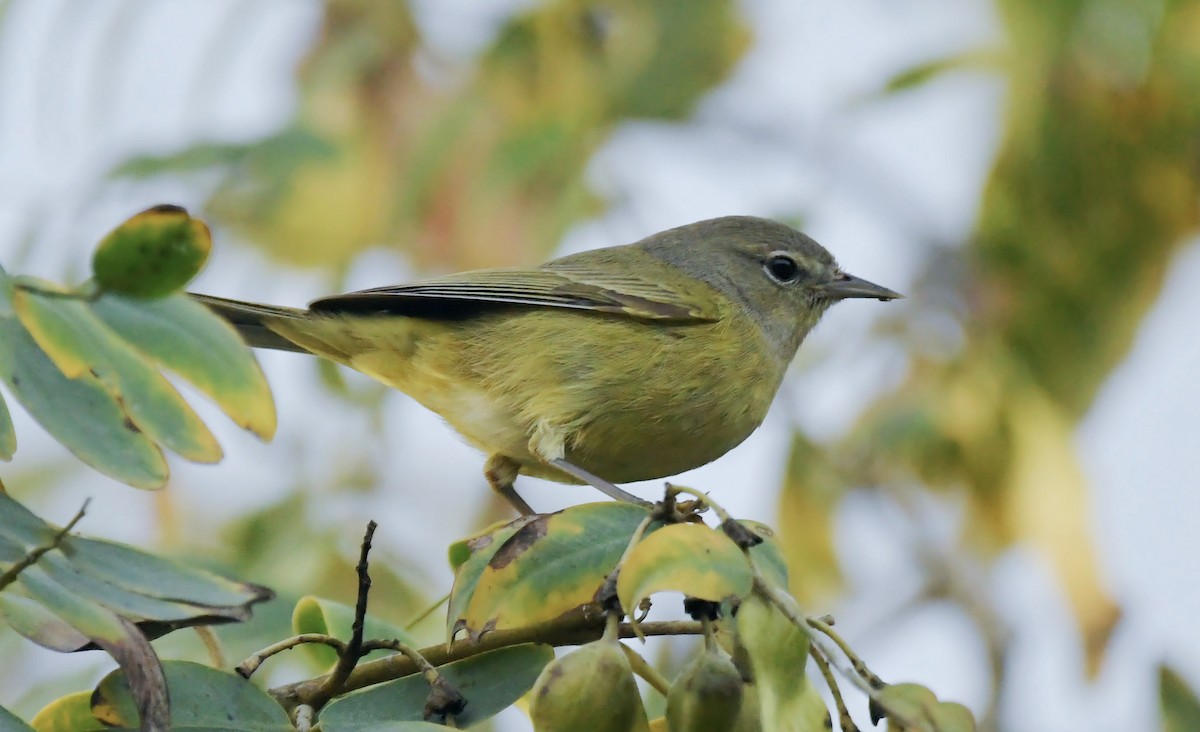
(247, 668)
(572, 630)
(303, 718)
(27, 561)
(444, 700)
(860, 667)
(350, 655)
(845, 721)
(212, 644)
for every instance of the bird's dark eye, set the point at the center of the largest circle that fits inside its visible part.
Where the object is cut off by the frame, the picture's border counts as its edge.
(782, 268)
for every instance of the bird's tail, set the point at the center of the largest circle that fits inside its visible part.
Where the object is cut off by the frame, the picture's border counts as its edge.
(252, 321)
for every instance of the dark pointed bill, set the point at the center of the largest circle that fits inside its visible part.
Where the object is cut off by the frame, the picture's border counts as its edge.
(846, 286)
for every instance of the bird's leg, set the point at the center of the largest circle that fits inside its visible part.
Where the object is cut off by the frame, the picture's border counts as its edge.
(501, 473)
(598, 483)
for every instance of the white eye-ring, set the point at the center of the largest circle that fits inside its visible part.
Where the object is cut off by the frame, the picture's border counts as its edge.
(782, 268)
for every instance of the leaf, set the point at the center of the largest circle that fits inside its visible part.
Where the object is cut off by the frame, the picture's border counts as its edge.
(79, 413)
(693, 559)
(10, 722)
(490, 682)
(553, 564)
(120, 638)
(79, 343)
(153, 253)
(778, 652)
(185, 337)
(906, 705)
(326, 617)
(470, 557)
(8, 435)
(1180, 707)
(768, 557)
(201, 698)
(33, 621)
(102, 580)
(952, 717)
(70, 713)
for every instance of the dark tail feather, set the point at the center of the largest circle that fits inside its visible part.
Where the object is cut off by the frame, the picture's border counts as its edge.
(250, 319)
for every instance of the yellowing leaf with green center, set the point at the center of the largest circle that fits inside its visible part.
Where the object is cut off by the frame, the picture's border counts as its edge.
(70, 713)
(694, 559)
(326, 617)
(184, 337)
(79, 413)
(79, 343)
(152, 254)
(469, 557)
(552, 565)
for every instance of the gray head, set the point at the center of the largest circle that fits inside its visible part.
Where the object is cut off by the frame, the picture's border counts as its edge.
(783, 277)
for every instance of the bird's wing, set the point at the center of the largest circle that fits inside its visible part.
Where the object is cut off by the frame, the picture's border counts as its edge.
(561, 284)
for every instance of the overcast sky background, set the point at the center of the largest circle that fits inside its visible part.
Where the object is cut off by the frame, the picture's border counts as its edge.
(84, 85)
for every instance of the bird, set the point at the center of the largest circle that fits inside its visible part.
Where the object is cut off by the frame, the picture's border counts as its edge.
(607, 366)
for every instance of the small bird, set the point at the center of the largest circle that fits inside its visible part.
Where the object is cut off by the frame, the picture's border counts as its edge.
(607, 366)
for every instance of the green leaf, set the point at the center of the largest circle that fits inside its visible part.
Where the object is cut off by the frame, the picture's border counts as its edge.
(185, 337)
(693, 559)
(155, 576)
(490, 682)
(124, 642)
(907, 705)
(79, 343)
(407, 726)
(33, 621)
(201, 698)
(70, 713)
(157, 594)
(326, 617)
(1180, 707)
(552, 565)
(469, 557)
(768, 557)
(79, 413)
(778, 652)
(8, 435)
(952, 717)
(152, 254)
(10, 722)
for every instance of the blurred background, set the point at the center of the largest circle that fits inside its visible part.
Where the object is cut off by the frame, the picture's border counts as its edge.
(992, 484)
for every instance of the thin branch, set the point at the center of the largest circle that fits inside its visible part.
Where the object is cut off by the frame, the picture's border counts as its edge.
(247, 668)
(845, 721)
(212, 644)
(10, 575)
(860, 667)
(349, 656)
(571, 630)
(444, 701)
